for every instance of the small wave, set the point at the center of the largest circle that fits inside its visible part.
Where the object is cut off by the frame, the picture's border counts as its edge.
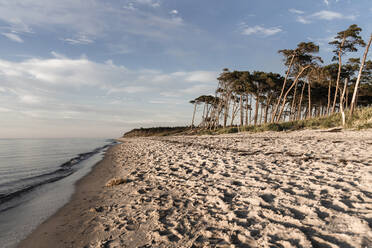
(24, 185)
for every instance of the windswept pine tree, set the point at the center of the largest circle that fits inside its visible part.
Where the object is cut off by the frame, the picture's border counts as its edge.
(303, 61)
(289, 57)
(307, 90)
(345, 41)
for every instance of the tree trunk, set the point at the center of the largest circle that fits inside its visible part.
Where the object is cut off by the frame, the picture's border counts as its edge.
(338, 74)
(306, 112)
(250, 110)
(309, 97)
(203, 116)
(226, 112)
(281, 93)
(342, 102)
(233, 112)
(329, 96)
(241, 111)
(300, 103)
(256, 111)
(286, 94)
(347, 98)
(260, 120)
(293, 103)
(246, 110)
(267, 109)
(353, 102)
(193, 117)
(218, 113)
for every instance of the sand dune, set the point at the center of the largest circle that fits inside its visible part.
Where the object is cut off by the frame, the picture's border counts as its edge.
(296, 189)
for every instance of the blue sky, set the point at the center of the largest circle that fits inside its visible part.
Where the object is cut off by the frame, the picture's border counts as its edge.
(95, 68)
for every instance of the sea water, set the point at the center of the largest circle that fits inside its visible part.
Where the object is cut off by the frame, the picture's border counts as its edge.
(37, 177)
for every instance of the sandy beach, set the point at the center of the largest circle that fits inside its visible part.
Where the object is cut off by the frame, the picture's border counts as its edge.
(273, 189)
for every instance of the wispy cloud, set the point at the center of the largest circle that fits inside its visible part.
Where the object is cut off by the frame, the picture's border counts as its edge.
(327, 2)
(79, 40)
(201, 76)
(330, 15)
(92, 18)
(324, 15)
(38, 88)
(13, 37)
(261, 30)
(150, 3)
(303, 20)
(296, 11)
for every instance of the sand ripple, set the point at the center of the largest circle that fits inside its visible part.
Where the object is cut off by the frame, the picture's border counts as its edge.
(299, 189)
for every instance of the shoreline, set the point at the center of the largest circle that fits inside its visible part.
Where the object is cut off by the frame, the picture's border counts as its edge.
(63, 229)
(305, 188)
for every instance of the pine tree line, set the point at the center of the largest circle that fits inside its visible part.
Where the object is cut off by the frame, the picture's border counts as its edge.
(308, 89)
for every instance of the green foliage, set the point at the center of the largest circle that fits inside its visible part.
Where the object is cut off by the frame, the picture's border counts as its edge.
(155, 131)
(362, 119)
(347, 40)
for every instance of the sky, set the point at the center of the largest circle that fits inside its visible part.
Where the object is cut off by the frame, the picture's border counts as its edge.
(98, 68)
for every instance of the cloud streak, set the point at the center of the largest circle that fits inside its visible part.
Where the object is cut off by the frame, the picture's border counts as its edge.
(296, 11)
(260, 30)
(324, 15)
(79, 40)
(13, 37)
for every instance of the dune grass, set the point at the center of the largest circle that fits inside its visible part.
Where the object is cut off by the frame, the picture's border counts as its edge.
(362, 119)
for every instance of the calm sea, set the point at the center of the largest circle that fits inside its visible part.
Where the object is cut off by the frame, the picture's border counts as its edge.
(37, 177)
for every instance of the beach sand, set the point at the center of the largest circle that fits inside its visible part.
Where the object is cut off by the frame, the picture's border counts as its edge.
(274, 189)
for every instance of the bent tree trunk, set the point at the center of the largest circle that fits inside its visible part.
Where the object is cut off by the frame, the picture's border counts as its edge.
(281, 93)
(338, 74)
(342, 102)
(290, 88)
(353, 100)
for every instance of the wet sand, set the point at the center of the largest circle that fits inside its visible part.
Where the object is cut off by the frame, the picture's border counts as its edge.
(70, 226)
(288, 189)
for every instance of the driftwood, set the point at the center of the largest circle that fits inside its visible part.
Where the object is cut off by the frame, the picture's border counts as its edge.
(333, 130)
